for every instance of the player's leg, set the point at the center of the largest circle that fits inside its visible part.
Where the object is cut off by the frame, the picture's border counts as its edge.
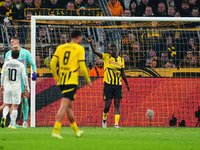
(6, 110)
(107, 95)
(13, 116)
(59, 118)
(70, 115)
(117, 112)
(1, 107)
(105, 112)
(25, 107)
(117, 98)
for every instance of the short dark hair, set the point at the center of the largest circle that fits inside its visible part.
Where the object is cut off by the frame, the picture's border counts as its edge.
(75, 34)
(14, 38)
(15, 54)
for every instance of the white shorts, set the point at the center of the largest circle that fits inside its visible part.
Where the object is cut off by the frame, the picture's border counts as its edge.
(12, 97)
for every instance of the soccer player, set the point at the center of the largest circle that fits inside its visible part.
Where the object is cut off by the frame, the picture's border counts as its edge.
(11, 75)
(24, 57)
(69, 56)
(113, 73)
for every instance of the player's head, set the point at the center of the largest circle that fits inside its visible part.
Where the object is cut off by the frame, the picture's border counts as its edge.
(14, 41)
(113, 50)
(15, 54)
(76, 36)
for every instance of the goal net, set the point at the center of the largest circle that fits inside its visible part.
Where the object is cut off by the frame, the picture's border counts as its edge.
(161, 64)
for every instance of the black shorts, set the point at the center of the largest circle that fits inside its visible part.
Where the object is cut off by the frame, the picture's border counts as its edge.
(111, 91)
(68, 91)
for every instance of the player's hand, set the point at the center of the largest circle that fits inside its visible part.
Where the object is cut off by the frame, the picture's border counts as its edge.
(90, 39)
(2, 89)
(34, 76)
(90, 84)
(26, 89)
(127, 87)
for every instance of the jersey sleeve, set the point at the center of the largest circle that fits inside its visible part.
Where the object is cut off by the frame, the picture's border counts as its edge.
(6, 56)
(105, 56)
(81, 54)
(30, 60)
(56, 54)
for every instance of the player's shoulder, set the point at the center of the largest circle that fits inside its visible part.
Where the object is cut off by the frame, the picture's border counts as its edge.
(8, 52)
(24, 50)
(106, 55)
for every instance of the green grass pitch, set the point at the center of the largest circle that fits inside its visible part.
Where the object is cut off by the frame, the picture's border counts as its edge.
(96, 138)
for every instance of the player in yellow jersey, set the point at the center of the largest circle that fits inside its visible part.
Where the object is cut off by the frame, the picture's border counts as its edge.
(70, 57)
(113, 75)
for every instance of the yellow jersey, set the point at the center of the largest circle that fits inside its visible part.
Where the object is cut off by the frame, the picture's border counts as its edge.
(112, 69)
(69, 55)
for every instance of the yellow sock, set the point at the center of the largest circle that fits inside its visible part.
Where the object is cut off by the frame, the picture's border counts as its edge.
(74, 127)
(117, 119)
(105, 115)
(57, 127)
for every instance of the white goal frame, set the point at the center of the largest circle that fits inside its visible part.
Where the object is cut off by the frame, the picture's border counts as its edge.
(87, 18)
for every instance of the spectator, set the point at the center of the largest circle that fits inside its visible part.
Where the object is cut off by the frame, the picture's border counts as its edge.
(17, 6)
(193, 46)
(190, 60)
(142, 7)
(185, 9)
(171, 50)
(192, 4)
(124, 55)
(161, 10)
(133, 6)
(24, 29)
(152, 58)
(39, 3)
(127, 13)
(6, 9)
(42, 51)
(70, 5)
(149, 63)
(63, 38)
(137, 57)
(148, 12)
(128, 41)
(91, 4)
(52, 4)
(115, 8)
(170, 64)
(78, 4)
(27, 4)
(98, 70)
(163, 60)
(171, 11)
(194, 13)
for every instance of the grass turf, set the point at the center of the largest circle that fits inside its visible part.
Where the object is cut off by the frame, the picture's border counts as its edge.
(96, 138)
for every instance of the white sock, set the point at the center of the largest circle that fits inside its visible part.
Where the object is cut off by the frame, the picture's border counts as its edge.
(5, 111)
(13, 117)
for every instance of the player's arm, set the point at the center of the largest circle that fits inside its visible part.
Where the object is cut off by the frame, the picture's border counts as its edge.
(2, 77)
(93, 48)
(30, 60)
(85, 72)
(81, 61)
(124, 76)
(25, 80)
(53, 68)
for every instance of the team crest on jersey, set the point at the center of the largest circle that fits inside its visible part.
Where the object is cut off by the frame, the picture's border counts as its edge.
(22, 55)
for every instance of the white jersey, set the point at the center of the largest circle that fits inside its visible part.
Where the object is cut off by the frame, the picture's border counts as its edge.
(11, 74)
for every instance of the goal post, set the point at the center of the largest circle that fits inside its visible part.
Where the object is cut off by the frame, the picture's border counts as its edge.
(34, 20)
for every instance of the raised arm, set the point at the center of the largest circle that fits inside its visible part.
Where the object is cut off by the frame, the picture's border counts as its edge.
(93, 48)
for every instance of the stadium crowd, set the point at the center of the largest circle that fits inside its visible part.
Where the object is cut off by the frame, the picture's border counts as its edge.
(140, 47)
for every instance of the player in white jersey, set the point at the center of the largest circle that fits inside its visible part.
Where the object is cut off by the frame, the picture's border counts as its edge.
(11, 75)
